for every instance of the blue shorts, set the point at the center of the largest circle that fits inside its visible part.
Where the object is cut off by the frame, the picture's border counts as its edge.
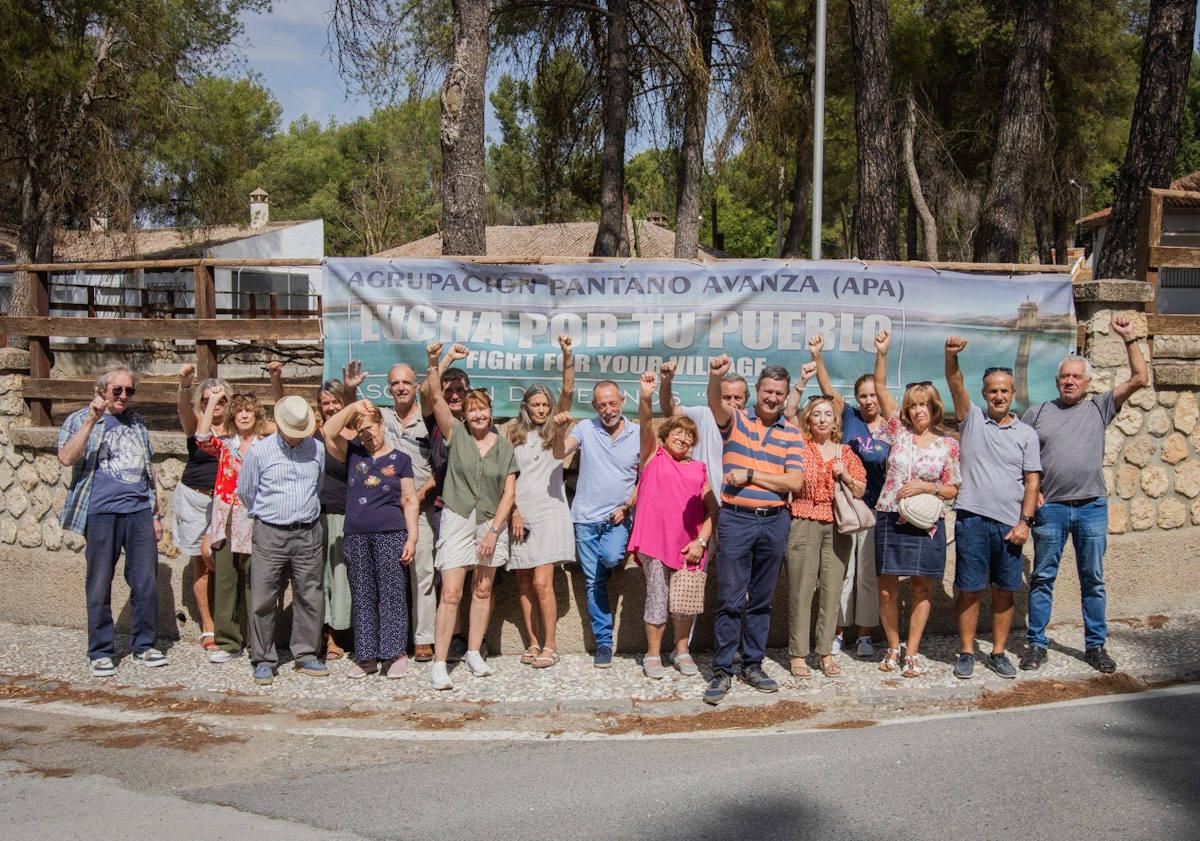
(983, 555)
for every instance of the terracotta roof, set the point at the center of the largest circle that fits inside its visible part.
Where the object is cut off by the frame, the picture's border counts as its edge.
(142, 243)
(563, 239)
(1189, 182)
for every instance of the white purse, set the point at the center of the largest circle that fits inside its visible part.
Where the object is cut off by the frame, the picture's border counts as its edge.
(923, 510)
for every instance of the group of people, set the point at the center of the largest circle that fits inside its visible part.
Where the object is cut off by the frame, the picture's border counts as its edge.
(392, 522)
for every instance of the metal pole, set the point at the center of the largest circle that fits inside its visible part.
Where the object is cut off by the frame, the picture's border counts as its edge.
(818, 130)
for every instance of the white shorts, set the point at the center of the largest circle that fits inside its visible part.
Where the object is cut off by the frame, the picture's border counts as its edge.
(191, 512)
(458, 542)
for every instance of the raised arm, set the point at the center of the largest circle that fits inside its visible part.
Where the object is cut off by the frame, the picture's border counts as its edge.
(275, 372)
(183, 400)
(72, 450)
(1122, 325)
(666, 399)
(439, 408)
(816, 348)
(718, 367)
(352, 377)
(566, 398)
(335, 444)
(887, 403)
(562, 444)
(204, 427)
(791, 408)
(425, 391)
(954, 377)
(646, 415)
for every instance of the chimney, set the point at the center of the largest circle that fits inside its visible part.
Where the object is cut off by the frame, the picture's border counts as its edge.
(98, 222)
(259, 201)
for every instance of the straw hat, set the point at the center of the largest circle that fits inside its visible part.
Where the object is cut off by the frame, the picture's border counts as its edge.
(295, 417)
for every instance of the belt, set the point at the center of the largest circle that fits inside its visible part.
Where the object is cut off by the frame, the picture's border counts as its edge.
(290, 526)
(768, 511)
(205, 491)
(1075, 503)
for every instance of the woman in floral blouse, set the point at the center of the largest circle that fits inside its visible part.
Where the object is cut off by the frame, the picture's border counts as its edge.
(817, 553)
(924, 460)
(229, 531)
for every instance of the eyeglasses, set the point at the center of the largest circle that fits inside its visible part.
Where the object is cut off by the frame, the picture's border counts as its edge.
(922, 382)
(987, 372)
(119, 390)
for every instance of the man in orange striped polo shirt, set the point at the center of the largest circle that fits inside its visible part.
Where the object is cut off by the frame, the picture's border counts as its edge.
(762, 464)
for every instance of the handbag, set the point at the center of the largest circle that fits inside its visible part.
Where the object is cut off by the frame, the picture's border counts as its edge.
(686, 594)
(923, 510)
(850, 513)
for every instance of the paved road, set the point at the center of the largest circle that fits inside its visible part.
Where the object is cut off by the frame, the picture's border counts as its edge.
(1127, 767)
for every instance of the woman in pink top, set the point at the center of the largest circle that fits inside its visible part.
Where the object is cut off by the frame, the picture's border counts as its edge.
(675, 518)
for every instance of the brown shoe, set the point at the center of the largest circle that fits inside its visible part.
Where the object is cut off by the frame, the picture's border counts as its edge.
(423, 653)
(333, 651)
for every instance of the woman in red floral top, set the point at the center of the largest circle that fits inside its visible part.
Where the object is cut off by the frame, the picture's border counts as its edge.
(229, 532)
(817, 553)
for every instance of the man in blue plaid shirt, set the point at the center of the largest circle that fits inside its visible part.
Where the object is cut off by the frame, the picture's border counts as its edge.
(112, 502)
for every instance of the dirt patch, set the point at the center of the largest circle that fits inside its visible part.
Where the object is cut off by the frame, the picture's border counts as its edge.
(162, 699)
(663, 699)
(450, 721)
(1029, 693)
(849, 724)
(50, 773)
(165, 732)
(890, 683)
(24, 728)
(730, 718)
(1157, 621)
(324, 715)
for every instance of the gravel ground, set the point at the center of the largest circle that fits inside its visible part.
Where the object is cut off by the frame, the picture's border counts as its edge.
(1150, 649)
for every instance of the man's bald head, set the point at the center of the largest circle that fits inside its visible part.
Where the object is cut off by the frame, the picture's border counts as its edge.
(402, 385)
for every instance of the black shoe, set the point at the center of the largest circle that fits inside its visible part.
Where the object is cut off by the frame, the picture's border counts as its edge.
(1000, 664)
(717, 689)
(964, 666)
(760, 680)
(1032, 658)
(1099, 660)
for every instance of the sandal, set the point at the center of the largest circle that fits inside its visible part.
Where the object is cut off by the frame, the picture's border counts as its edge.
(530, 655)
(208, 641)
(547, 658)
(912, 666)
(891, 660)
(333, 651)
(830, 669)
(799, 668)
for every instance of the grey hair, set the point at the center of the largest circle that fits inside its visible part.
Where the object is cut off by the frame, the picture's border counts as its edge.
(107, 374)
(731, 377)
(1087, 366)
(774, 372)
(205, 385)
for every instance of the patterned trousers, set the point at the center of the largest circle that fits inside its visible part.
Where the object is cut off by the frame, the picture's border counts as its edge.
(378, 594)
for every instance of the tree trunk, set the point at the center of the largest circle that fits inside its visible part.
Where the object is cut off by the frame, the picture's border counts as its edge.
(875, 214)
(795, 242)
(1154, 131)
(610, 241)
(928, 222)
(910, 232)
(463, 175)
(695, 120)
(1019, 136)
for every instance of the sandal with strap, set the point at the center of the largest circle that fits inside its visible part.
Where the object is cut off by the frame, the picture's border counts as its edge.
(799, 668)
(830, 669)
(547, 658)
(530, 655)
(208, 641)
(891, 660)
(912, 666)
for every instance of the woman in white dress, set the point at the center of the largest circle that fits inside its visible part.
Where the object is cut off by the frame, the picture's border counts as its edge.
(542, 533)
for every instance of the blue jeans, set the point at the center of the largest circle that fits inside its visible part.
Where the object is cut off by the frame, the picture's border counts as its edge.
(1087, 527)
(600, 547)
(750, 550)
(106, 536)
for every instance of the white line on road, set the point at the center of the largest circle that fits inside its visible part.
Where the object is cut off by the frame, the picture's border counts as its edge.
(137, 716)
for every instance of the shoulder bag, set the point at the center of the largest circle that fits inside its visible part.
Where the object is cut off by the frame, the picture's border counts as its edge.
(850, 513)
(923, 510)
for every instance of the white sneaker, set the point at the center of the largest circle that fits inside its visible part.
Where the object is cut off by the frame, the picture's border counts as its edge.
(103, 667)
(837, 645)
(439, 678)
(219, 655)
(477, 664)
(865, 649)
(151, 657)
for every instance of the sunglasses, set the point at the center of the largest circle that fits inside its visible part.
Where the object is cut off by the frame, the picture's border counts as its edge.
(119, 390)
(922, 382)
(813, 397)
(987, 372)
(245, 395)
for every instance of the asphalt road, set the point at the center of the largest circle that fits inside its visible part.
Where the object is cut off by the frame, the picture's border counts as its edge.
(1121, 768)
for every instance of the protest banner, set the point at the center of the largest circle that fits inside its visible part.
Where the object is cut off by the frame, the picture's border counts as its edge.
(628, 317)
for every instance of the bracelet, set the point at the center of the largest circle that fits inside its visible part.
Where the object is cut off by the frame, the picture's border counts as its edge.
(1132, 341)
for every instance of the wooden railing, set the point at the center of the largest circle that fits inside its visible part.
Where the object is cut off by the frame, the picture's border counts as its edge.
(199, 324)
(1153, 255)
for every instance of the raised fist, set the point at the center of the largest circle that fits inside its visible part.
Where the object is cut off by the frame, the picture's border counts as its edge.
(564, 342)
(667, 370)
(647, 384)
(433, 350)
(719, 366)
(458, 352)
(816, 344)
(1122, 325)
(807, 371)
(883, 341)
(955, 345)
(186, 372)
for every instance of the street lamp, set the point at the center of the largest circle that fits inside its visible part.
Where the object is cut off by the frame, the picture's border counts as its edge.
(1078, 224)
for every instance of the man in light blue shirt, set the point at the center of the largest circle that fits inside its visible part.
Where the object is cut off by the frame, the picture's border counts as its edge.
(279, 483)
(609, 450)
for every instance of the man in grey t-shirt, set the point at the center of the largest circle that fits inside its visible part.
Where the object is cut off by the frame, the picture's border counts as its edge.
(709, 445)
(1071, 433)
(994, 508)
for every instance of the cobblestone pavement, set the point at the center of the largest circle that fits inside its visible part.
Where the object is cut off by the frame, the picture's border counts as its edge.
(1150, 649)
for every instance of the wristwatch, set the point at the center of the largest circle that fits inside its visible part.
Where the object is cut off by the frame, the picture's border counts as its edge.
(703, 543)
(1028, 521)
(495, 530)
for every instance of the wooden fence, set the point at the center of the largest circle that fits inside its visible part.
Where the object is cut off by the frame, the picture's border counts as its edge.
(1153, 255)
(199, 324)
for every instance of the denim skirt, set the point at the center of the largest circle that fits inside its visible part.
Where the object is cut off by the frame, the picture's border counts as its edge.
(903, 549)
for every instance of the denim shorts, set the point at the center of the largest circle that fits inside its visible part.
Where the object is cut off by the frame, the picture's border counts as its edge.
(983, 556)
